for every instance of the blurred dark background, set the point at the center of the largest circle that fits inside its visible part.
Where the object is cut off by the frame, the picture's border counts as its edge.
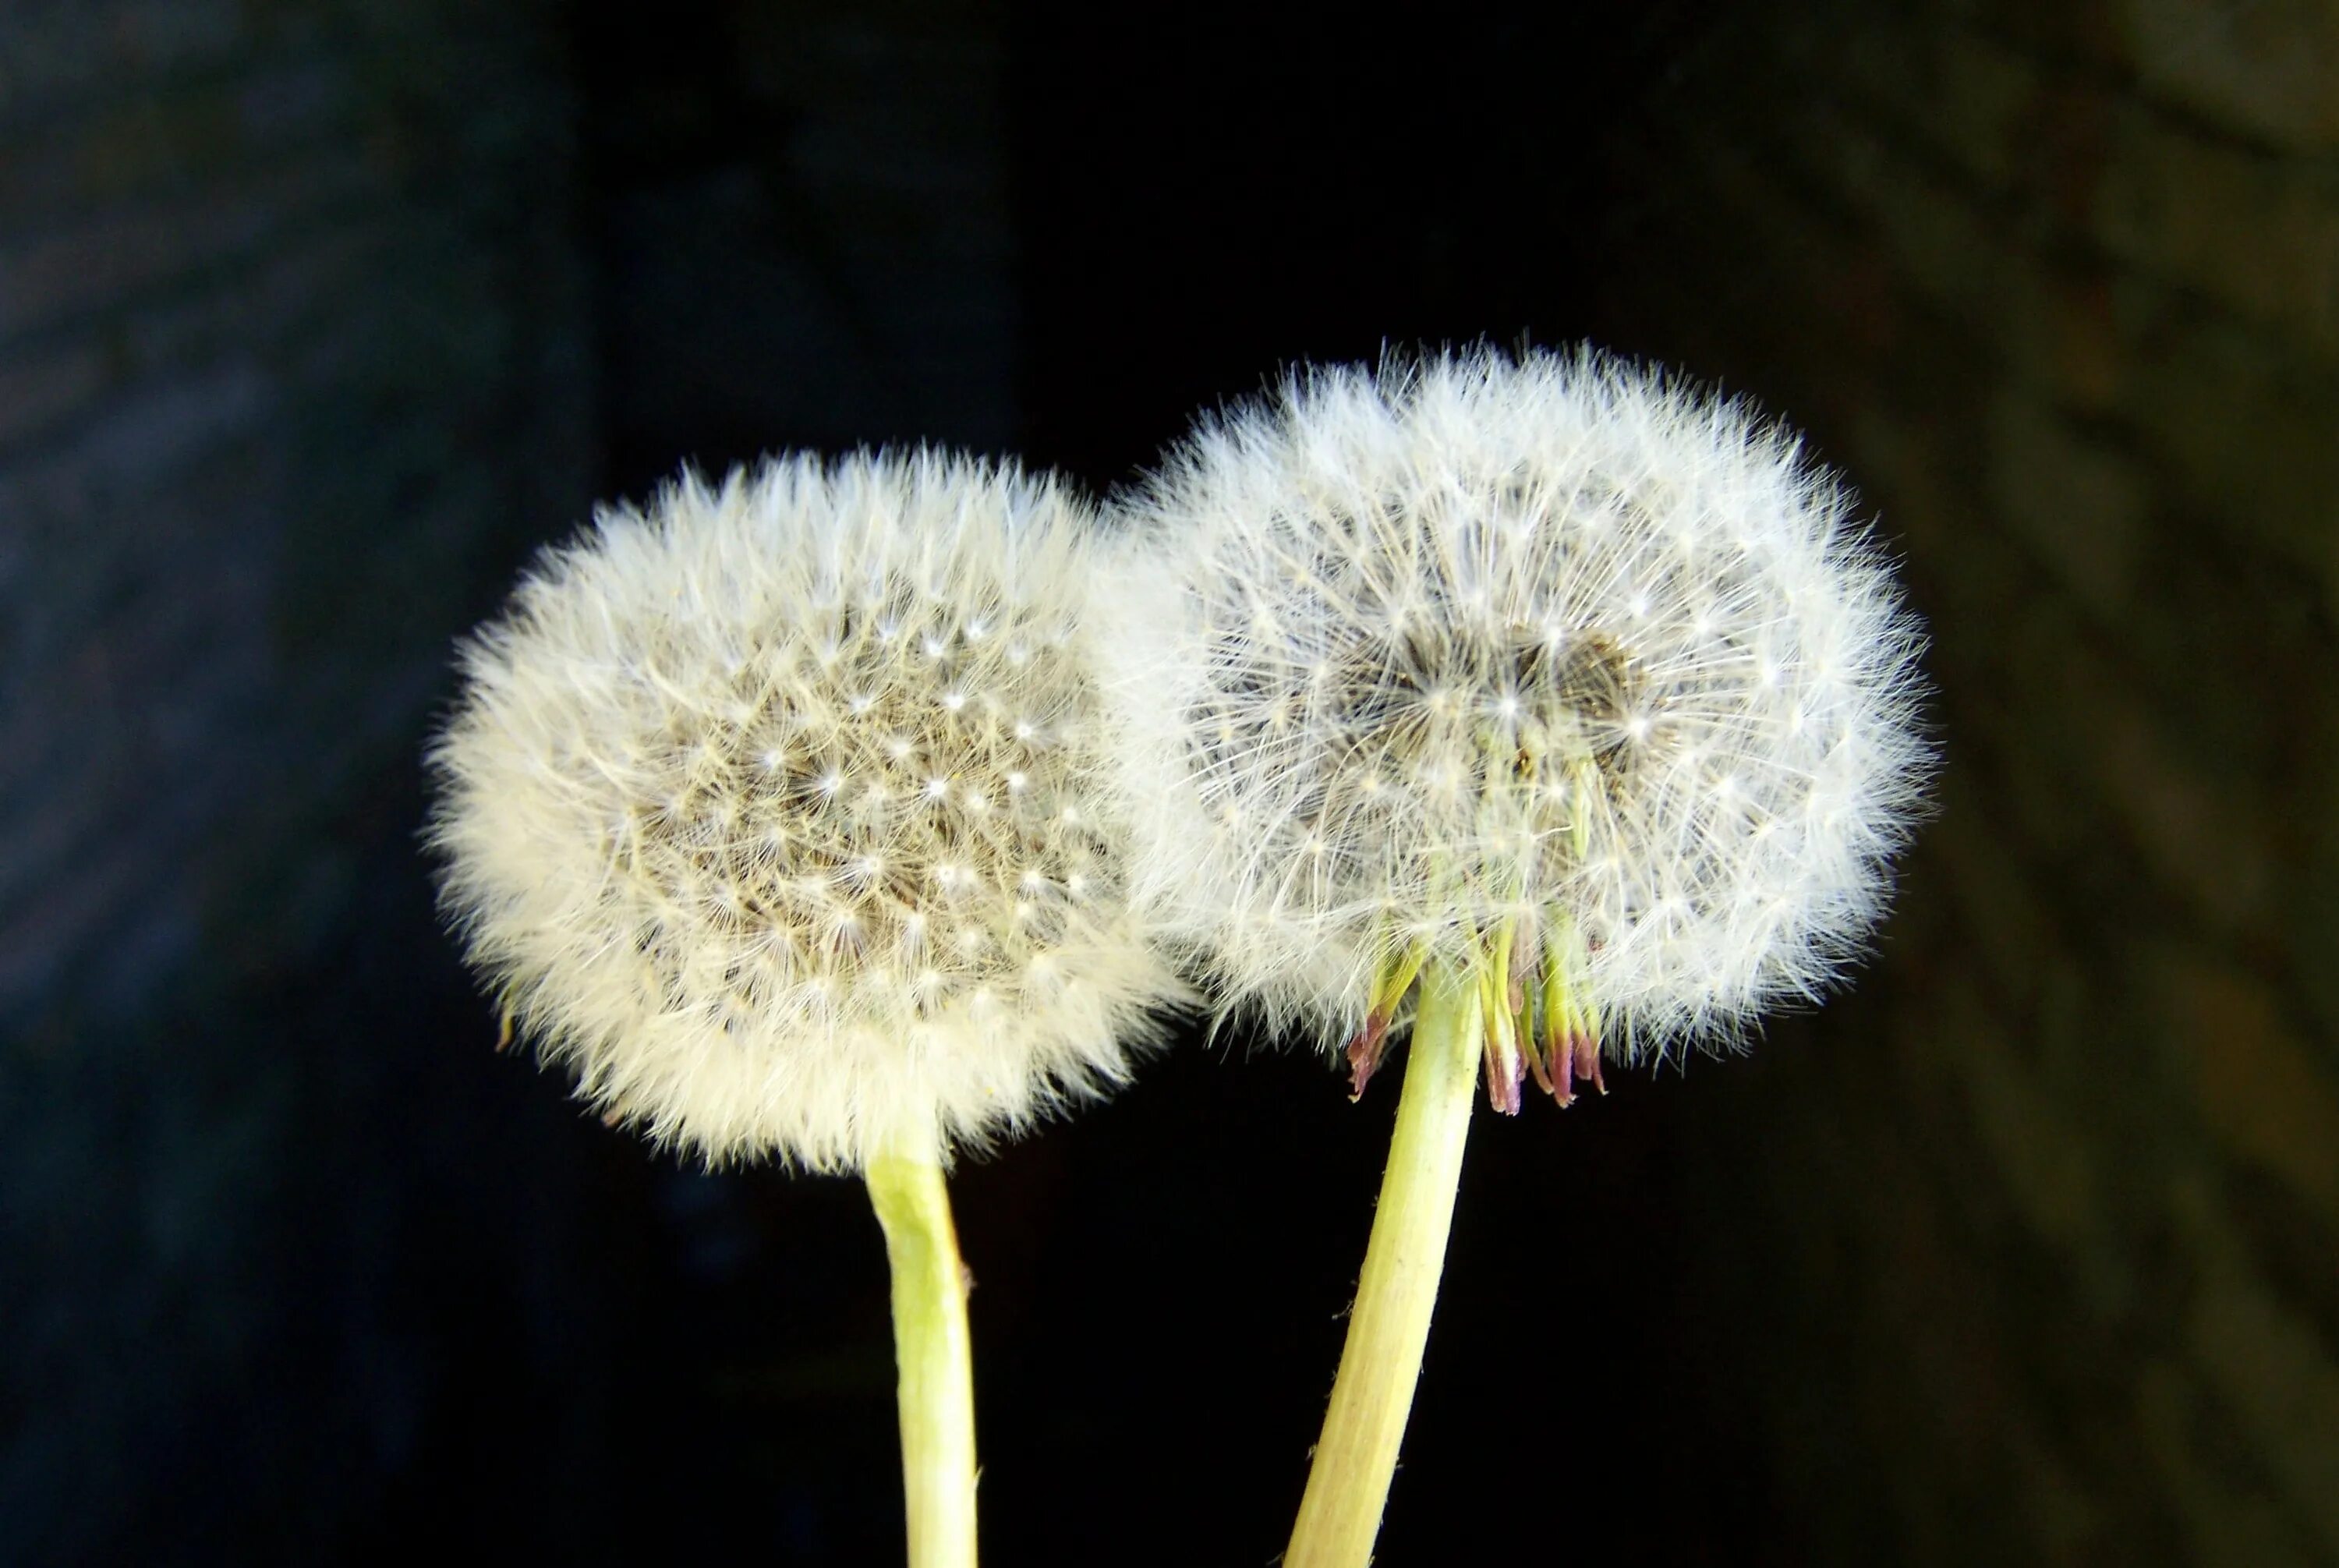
(317, 316)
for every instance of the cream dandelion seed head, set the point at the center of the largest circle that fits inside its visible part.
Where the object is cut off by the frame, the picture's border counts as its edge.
(776, 812)
(1546, 670)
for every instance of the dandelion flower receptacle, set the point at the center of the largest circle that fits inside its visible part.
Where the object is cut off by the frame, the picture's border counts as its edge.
(1540, 682)
(776, 812)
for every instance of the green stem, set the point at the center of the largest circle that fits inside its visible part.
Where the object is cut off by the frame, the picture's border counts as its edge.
(931, 1349)
(1347, 1486)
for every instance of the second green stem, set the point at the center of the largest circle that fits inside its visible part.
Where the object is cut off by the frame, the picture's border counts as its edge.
(1347, 1485)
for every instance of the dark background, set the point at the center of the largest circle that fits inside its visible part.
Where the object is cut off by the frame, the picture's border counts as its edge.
(317, 317)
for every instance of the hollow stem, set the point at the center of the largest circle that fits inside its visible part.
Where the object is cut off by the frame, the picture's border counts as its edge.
(1348, 1485)
(936, 1392)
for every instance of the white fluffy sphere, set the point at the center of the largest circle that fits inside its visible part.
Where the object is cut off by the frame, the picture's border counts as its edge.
(1546, 668)
(777, 812)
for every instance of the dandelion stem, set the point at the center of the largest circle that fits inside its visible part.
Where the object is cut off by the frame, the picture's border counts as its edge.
(1347, 1485)
(936, 1393)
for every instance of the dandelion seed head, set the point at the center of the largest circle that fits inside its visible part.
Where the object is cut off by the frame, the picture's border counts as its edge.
(1547, 648)
(717, 819)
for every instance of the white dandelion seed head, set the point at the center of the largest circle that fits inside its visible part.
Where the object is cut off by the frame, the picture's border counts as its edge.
(1548, 646)
(719, 824)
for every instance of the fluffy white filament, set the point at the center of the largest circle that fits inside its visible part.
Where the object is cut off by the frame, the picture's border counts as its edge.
(777, 812)
(1547, 651)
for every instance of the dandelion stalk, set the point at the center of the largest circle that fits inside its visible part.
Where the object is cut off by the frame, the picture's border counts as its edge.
(936, 1391)
(1348, 1482)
